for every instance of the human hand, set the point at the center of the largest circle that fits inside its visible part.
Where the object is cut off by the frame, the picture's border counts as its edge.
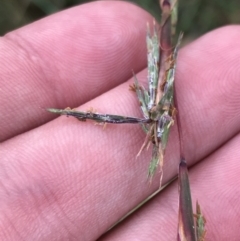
(67, 180)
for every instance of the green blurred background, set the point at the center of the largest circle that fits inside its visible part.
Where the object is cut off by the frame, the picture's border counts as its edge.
(195, 16)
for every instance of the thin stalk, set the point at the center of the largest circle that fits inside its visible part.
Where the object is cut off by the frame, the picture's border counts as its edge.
(142, 203)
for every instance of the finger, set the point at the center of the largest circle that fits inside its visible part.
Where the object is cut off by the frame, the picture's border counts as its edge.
(79, 170)
(66, 168)
(207, 90)
(213, 184)
(67, 59)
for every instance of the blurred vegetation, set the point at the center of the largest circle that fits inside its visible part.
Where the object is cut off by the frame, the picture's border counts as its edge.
(195, 16)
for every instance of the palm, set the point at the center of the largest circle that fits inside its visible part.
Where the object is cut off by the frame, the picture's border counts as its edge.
(63, 179)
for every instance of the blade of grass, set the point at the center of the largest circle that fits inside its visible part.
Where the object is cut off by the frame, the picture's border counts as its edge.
(102, 118)
(186, 228)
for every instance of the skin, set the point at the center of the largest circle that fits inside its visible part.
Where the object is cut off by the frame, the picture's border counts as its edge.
(62, 179)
